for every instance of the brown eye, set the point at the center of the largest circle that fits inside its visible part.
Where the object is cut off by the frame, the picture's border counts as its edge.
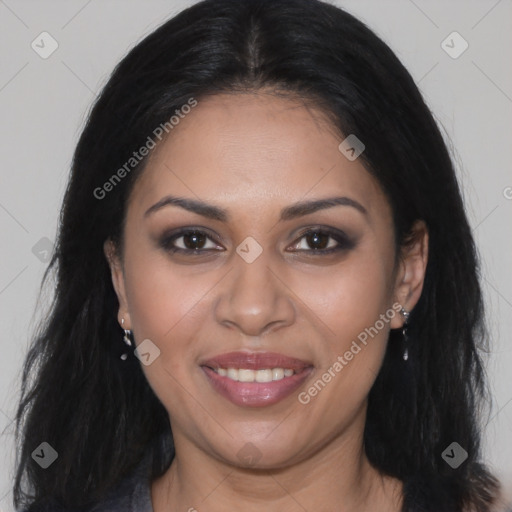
(191, 241)
(323, 241)
(194, 240)
(317, 240)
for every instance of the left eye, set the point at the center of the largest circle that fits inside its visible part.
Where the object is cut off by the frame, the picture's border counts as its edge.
(321, 241)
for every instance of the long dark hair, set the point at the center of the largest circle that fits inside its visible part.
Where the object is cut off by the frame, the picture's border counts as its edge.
(99, 412)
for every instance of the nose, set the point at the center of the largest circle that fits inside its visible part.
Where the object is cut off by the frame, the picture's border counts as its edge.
(254, 299)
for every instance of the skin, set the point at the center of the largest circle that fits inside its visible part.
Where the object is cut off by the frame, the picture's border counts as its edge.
(254, 154)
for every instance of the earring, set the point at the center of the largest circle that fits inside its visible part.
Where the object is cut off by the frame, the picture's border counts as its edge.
(405, 314)
(126, 339)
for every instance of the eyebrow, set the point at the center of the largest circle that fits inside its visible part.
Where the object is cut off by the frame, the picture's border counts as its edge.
(290, 212)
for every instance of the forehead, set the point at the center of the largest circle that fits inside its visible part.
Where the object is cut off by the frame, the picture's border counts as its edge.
(249, 150)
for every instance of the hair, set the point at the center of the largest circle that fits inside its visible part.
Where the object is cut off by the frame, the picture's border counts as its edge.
(100, 414)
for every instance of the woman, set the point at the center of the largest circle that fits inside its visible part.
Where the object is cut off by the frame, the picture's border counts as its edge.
(267, 292)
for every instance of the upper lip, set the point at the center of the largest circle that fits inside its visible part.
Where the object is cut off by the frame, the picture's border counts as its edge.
(255, 361)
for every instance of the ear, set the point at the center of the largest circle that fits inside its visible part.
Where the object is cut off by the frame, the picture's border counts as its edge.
(116, 269)
(411, 272)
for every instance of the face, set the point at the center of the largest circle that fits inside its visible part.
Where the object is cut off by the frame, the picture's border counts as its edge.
(269, 288)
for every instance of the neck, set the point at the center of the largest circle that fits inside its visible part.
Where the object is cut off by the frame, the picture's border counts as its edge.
(337, 476)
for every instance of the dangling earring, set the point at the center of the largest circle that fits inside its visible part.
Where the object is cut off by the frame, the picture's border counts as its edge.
(126, 339)
(405, 314)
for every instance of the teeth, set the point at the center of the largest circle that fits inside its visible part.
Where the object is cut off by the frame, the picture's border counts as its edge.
(277, 374)
(246, 375)
(232, 374)
(263, 376)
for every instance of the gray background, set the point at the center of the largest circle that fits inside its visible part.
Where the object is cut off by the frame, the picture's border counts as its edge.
(43, 104)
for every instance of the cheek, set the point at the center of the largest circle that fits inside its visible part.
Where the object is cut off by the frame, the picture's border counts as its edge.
(169, 309)
(160, 295)
(154, 301)
(171, 305)
(350, 301)
(352, 296)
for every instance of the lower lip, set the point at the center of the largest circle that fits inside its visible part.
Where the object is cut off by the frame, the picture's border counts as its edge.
(255, 394)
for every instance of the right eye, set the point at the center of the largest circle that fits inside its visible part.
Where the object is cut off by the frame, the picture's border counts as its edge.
(189, 241)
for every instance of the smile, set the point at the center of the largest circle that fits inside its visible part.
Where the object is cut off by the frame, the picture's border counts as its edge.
(255, 379)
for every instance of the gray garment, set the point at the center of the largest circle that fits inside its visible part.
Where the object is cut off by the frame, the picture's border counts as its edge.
(132, 495)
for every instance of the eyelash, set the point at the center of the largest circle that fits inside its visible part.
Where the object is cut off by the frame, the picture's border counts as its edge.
(343, 241)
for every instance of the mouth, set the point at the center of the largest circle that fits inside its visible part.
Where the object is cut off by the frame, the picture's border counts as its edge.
(255, 379)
